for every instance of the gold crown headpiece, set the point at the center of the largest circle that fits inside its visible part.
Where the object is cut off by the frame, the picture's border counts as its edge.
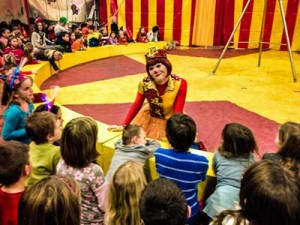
(155, 53)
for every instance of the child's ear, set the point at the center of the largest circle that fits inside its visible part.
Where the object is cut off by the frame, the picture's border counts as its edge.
(27, 170)
(134, 140)
(188, 213)
(49, 137)
(15, 94)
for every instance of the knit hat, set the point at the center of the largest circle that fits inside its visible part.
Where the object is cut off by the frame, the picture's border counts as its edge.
(39, 20)
(63, 19)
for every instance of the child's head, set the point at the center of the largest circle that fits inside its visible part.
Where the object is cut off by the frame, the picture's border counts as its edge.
(89, 22)
(43, 127)
(14, 162)
(13, 42)
(285, 131)
(133, 135)
(55, 109)
(270, 194)
(123, 28)
(54, 200)
(91, 29)
(28, 50)
(9, 61)
(65, 36)
(290, 150)
(38, 26)
(155, 29)
(121, 33)
(16, 30)
(5, 32)
(142, 30)
(124, 193)
(78, 142)
(238, 141)
(53, 54)
(17, 88)
(162, 202)
(181, 131)
(72, 36)
(113, 34)
(103, 30)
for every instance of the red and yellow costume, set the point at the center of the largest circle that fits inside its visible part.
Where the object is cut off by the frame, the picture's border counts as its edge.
(162, 101)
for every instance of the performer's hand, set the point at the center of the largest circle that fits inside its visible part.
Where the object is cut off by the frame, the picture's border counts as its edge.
(115, 128)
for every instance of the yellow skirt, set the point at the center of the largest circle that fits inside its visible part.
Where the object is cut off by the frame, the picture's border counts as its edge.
(155, 128)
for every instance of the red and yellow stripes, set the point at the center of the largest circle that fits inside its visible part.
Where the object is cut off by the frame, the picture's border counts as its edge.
(208, 22)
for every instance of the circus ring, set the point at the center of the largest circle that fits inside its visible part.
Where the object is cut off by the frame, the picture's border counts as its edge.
(71, 64)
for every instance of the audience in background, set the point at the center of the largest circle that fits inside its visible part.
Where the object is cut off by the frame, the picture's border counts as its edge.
(122, 40)
(154, 35)
(61, 26)
(113, 40)
(141, 35)
(63, 39)
(114, 25)
(14, 48)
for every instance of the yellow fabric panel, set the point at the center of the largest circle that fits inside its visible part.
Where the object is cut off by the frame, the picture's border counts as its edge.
(257, 17)
(121, 13)
(136, 18)
(238, 8)
(151, 14)
(295, 45)
(185, 22)
(204, 23)
(278, 29)
(169, 14)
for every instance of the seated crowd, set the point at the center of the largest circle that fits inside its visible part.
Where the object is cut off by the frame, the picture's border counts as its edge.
(49, 41)
(49, 174)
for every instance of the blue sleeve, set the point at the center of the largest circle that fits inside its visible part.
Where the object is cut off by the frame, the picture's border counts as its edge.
(12, 118)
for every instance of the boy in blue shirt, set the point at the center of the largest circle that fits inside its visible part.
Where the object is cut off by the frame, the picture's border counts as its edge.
(178, 164)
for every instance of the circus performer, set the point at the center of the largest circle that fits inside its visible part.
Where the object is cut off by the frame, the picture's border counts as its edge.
(165, 94)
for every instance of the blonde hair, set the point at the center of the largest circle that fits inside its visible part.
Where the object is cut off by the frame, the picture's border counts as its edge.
(78, 142)
(124, 193)
(52, 201)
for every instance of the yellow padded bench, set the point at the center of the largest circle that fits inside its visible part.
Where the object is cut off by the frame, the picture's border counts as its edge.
(203, 188)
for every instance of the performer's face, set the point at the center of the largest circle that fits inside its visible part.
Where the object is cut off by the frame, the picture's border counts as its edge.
(159, 73)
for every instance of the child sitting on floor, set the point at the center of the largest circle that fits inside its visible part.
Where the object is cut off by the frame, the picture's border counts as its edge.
(43, 128)
(78, 151)
(14, 168)
(124, 193)
(233, 157)
(178, 164)
(132, 147)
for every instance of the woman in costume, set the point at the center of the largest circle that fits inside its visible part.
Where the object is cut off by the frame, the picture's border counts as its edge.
(165, 94)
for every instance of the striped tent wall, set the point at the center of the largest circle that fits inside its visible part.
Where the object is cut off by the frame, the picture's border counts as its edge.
(208, 22)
